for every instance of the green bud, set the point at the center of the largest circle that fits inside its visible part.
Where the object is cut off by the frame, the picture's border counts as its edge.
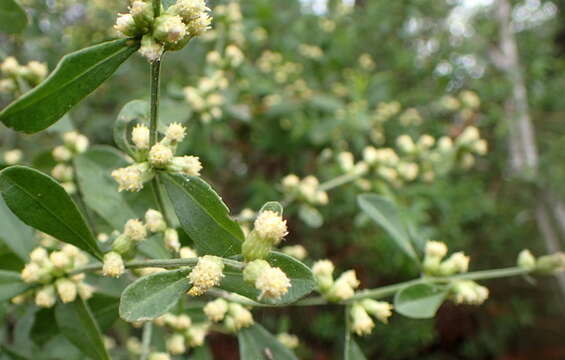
(550, 264)
(254, 269)
(122, 244)
(526, 260)
(254, 247)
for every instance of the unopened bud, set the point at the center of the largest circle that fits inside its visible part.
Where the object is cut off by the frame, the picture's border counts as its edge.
(140, 137)
(135, 230)
(381, 310)
(323, 273)
(45, 297)
(550, 264)
(113, 265)
(171, 238)
(126, 25)
(526, 260)
(216, 310)
(188, 165)
(361, 322)
(154, 221)
(175, 133)
(13, 157)
(187, 253)
(150, 49)
(254, 269)
(66, 289)
(207, 273)
(160, 155)
(169, 29)
(62, 154)
(176, 344)
(242, 317)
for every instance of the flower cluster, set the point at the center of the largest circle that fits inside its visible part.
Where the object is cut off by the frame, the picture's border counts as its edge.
(73, 144)
(337, 290)
(171, 30)
(185, 334)
(159, 157)
(233, 315)
(545, 265)
(361, 312)
(272, 282)
(207, 98)
(207, 273)
(306, 189)
(155, 223)
(17, 79)
(124, 245)
(269, 230)
(49, 269)
(434, 265)
(289, 340)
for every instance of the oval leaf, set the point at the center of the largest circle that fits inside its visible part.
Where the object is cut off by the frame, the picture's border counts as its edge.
(40, 202)
(76, 76)
(203, 215)
(100, 190)
(385, 213)
(133, 110)
(153, 295)
(13, 19)
(15, 234)
(273, 206)
(301, 279)
(256, 343)
(419, 301)
(11, 285)
(78, 325)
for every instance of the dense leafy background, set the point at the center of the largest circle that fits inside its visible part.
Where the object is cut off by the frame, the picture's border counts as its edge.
(420, 54)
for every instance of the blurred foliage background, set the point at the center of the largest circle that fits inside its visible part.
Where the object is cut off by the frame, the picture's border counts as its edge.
(283, 87)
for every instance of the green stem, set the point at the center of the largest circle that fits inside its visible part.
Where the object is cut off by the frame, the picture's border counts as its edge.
(341, 180)
(146, 340)
(156, 8)
(155, 69)
(161, 263)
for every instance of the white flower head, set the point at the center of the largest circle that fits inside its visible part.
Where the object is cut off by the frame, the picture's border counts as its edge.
(13, 156)
(31, 273)
(66, 289)
(140, 137)
(436, 249)
(10, 66)
(196, 334)
(171, 239)
(381, 310)
(159, 356)
(350, 277)
(60, 260)
(187, 253)
(154, 221)
(273, 283)
(169, 29)
(270, 225)
(150, 49)
(62, 154)
(207, 273)
(131, 178)
(188, 164)
(113, 265)
(458, 262)
(160, 155)
(216, 310)
(361, 322)
(406, 144)
(175, 133)
(189, 9)
(125, 25)
(45, 297)
(526, 260)
(469, 292)
(38, 255)
(176, 344)
(242, 317)
(290, 181)
(288, 340)
(296, 251)
(199, 25)
(135, 230)
(469, 136)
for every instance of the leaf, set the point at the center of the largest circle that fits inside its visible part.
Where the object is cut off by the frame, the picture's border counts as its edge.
(386, 214)
(153, 295)
(133, 110)
(44, 327)
(11, 285)
(104, 309)
(13, 19)
(256, 343)
(352, 350)
(40, 202)
(273, 206)
(15, 234)
(301, 279)
(420, 301)
(311, 216)
(203, 216)
(79, 326)
(76, 76)
(100, 191)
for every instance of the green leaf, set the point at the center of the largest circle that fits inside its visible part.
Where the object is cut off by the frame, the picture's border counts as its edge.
(386, 214)
(419, 301)
(352, 350)
(301, 279)
(13, 19)
(40, 202)
(76, 76)
(203, 216)
(135, 110)
(310, 215)
(273, 206)
(15, 234)
(256, 343)
(100, 190)
(153, 295)
(11, 285)
(79, 326)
